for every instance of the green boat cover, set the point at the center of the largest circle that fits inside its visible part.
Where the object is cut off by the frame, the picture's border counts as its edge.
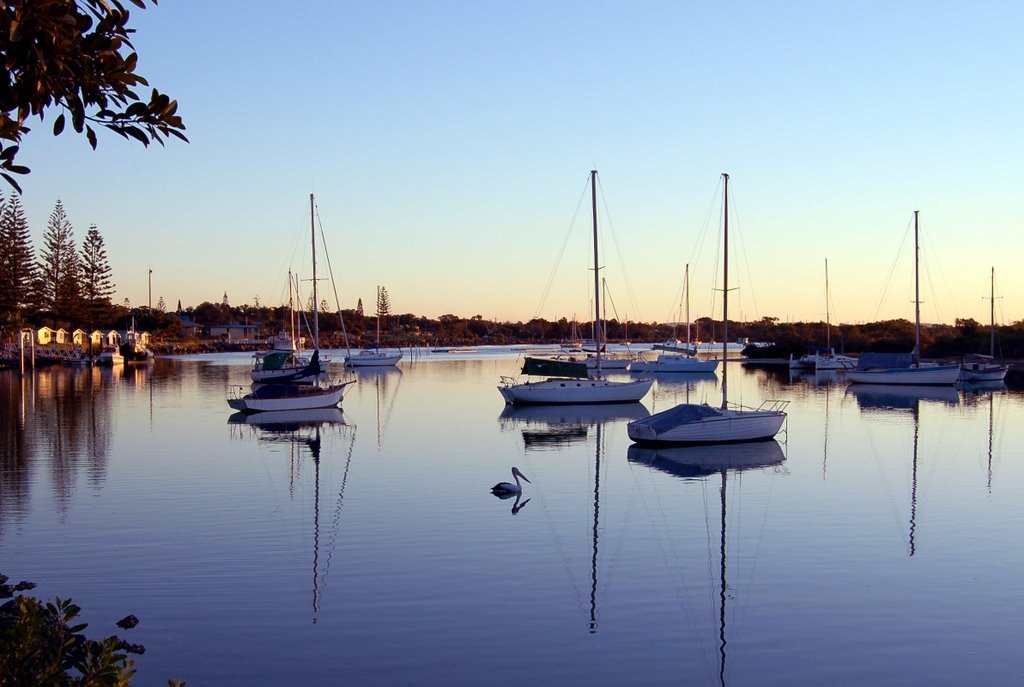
(275, 360)
(544, 367)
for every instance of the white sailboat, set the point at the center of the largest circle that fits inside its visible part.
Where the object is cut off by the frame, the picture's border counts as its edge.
(292, 396)
(374, 356)
(573, 383)
(674, 362)
(829, 359)
(881, 368)
(981, 368)
(689, 423)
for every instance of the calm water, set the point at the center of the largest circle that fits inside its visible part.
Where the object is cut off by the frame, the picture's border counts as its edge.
(877, 542)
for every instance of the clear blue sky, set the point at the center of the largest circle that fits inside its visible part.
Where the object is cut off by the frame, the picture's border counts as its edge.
(448, 144)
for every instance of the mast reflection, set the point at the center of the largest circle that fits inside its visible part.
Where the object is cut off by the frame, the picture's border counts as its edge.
(896, 398)
(301, 430)
(697, 463)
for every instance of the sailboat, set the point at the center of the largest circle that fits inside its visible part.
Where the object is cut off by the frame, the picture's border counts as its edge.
(673, 362)
(571, 382)
(285, 362)
(374, 356)
(980, 368)
(827, 358)
(689, 423)
(289, 395)
(905, 368)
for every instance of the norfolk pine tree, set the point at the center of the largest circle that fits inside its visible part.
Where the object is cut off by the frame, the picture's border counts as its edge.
(17, 262)
(58, 272)
(97, 288)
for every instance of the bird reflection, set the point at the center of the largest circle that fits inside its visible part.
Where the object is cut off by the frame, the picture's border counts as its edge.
(517, 506)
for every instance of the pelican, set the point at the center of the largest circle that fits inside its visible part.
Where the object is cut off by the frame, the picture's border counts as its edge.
(507, 489)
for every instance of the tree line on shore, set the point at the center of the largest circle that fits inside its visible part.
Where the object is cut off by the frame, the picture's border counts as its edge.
(964, 337)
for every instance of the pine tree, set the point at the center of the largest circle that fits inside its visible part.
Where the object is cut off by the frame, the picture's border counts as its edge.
(383, 307)
(359, 307)
(58, 274)
(96, 285)
(17, 260)
(383, 303)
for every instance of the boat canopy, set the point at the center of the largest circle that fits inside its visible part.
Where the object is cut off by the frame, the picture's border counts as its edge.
(682, 414)
(888, 361)
(274, 361)
(544, 367)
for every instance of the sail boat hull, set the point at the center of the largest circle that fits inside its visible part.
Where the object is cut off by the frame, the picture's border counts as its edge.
(983, 372)
(371, 358)
(673, 363)
(573, 391)
(289, 397)
(709, 426)
(925, 375)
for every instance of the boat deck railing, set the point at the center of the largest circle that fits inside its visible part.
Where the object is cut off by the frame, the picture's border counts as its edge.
(772, 406)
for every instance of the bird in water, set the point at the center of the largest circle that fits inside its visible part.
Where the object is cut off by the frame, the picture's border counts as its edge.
(507, 489)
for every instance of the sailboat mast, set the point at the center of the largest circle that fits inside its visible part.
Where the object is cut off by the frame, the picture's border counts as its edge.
(378, 317)
(597, 281)
(686, 286)
(603, 338)
(992, 315)
(291, 310)
(828, 324)
(917, 300)
(316, 308)
(725, 289)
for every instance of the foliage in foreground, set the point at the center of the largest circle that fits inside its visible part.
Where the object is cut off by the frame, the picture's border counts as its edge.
(75, 56)
(41, 644)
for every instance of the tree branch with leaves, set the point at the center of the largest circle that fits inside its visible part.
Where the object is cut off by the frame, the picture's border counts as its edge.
(77, 56)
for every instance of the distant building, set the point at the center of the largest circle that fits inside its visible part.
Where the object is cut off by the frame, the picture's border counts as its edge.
(190, 326)
(237, 333)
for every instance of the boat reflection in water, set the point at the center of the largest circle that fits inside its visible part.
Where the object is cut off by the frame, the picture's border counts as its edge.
(692, 462)
(900, 397)
(549, 427)
(276, 422)
(302, 431)
(697, 463)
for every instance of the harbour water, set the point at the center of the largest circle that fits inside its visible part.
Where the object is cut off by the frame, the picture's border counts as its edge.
(875, 542)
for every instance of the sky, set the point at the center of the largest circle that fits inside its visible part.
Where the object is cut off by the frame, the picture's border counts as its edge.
(449, 143)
